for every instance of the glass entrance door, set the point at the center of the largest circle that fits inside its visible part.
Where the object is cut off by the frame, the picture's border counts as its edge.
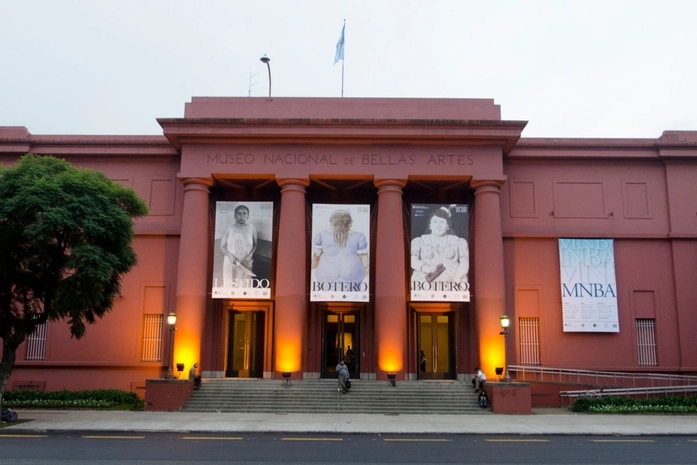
(436, 347)
(245, 354)
(340, 340)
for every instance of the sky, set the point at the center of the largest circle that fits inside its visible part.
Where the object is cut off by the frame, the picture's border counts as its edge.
(610, 68)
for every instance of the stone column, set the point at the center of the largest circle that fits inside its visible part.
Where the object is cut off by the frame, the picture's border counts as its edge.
(192, 275)
(291, 279)
(390, 289)
(489, 284)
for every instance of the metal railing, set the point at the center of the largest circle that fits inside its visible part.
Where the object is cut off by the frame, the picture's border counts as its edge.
(619, 379)
(633, 392)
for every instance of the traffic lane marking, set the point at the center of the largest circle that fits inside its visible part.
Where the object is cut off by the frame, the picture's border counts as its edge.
(23, 436)
(209, 438)
(622, 440)
(312, 439)
(415, 440)
(517, 440)
(113, 437)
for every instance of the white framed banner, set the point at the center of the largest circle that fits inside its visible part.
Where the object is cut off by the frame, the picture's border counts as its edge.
(588, 285)
(440, 252)
(340, 253)
(242, 255)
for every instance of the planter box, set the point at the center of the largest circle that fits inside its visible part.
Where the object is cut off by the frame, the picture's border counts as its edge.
(167, 395)
(510, 398)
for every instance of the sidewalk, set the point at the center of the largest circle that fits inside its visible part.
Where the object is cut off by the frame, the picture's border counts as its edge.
(541, 422)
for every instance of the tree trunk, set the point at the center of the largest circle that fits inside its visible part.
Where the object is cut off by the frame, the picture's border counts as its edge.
(9, 351)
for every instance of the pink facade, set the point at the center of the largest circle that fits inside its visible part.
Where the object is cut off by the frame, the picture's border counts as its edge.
(523, 194)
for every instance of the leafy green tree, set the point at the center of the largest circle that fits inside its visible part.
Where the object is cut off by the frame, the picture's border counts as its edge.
(65, 244)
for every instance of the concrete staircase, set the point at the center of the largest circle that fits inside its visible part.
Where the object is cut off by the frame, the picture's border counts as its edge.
(322, 396)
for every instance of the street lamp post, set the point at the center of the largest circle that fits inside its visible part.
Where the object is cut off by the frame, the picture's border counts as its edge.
(505, 322)
(171, 321)
(266, 60)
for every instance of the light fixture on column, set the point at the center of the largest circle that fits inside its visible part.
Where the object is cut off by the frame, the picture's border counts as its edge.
(286, 376)
(171, 321)
(392, 377)
(505, 323)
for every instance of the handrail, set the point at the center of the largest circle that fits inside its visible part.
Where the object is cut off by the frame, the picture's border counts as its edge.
(646, 392)
(616, 378)
(626, 391)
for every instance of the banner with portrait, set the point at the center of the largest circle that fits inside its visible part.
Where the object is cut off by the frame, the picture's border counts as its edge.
(340, 253)
(242, 250)
(588, 285)
(440, 252)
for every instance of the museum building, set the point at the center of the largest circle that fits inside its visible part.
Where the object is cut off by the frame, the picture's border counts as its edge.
(287, 234)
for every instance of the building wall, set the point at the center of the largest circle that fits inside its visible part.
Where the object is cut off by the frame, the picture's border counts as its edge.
(110, 353)
(634, 192)
(640, 193)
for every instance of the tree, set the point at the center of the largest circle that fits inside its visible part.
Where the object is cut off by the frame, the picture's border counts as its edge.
(65, 244)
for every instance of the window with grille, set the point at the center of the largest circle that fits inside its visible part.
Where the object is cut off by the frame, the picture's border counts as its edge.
(646, 341)
(152, 338)
(36, 343)
(529, 337)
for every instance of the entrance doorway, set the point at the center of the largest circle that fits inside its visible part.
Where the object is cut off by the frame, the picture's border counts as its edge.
(436, 344)
(245, 351)
(340, 340)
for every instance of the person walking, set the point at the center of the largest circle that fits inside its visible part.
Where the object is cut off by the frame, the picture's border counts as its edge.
(343, 373)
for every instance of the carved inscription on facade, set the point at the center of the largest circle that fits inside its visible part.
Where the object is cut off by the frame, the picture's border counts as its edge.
(366, 159)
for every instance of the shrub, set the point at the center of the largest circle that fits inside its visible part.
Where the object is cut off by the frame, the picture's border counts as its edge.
(98, 398)
(621, 404)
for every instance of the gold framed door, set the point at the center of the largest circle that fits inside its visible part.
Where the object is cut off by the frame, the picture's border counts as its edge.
(341, 340)
(435, 345)
(245, 352)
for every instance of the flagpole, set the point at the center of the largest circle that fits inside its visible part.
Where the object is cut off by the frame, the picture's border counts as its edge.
(340, 55)
(342, 62)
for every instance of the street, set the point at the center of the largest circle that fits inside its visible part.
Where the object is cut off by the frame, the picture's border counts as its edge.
(274, 448)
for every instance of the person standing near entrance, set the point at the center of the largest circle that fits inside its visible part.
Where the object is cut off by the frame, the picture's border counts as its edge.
(342, 371)
(349, 358)
(238, 243)
(422, 362)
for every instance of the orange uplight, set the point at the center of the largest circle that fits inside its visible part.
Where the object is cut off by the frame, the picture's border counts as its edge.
(390, 359)
(288, 355)
(186, 348)
(492, 354)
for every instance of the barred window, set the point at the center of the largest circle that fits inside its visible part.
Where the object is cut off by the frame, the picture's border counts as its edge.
(152, 338)
(36, 343)
(646, 342)
(529, 334)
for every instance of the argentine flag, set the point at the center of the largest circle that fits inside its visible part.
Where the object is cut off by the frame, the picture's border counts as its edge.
(340, 47)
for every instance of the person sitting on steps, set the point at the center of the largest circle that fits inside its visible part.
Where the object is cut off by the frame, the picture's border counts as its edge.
(483, 399)
(196, 378)
(478, 379)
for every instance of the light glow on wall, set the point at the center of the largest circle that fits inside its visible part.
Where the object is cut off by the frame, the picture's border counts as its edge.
(186, 349)
(288, 354)
(492, 354)
(390, 359)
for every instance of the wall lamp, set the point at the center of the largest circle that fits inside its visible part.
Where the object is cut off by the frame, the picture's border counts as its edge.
(505, 323)
(180, 368)
(171, 321)
(286, 376)
(392, 377)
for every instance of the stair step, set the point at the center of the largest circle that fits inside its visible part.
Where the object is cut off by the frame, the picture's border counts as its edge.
(321, 396)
